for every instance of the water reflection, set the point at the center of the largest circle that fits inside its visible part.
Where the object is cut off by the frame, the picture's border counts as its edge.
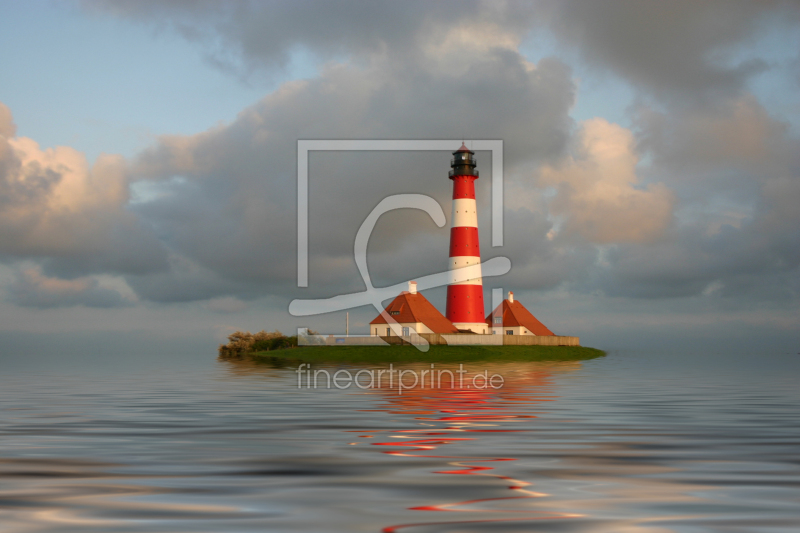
(596, 446)
(562, 448)
(457, 412)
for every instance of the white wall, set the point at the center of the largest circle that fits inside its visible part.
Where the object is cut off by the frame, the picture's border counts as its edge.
(476, 327)
(518, 330)
(380, 329)
(455, 340)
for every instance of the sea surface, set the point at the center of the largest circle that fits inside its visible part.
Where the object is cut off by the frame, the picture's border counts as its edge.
(632, 442)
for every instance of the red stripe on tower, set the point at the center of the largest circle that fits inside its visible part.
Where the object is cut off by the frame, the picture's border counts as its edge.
(463, 186)
(465, 298)
(464, 241)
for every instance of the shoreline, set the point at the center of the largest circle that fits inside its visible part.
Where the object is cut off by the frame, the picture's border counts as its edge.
(436, 354)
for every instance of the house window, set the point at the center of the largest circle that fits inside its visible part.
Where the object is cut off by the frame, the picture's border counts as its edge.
(498, 320)
(405, 332)
(394, 312)
(388, 332)
(509, 332)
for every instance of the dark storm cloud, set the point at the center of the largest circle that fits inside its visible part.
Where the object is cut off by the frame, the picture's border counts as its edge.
(681, 50)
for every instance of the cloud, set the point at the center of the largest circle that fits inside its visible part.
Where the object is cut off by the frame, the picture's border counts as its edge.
(51, 200)
(698, 193)
(719, 188)
(186, 281)
(697, 198)
(735, 172)
(54, 205)
(735, 160)
(540, 262)
(680, 51)
(733, 134)
(241, 37)
(597, 194)
(7, 127)
(33, 289)
(226, 305)
(227, 196)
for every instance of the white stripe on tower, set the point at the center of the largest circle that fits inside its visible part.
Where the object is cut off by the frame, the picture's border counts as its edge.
(465, 213)
(464, 261)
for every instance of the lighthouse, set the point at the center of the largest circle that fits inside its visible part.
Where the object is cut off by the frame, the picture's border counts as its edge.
(465, 298)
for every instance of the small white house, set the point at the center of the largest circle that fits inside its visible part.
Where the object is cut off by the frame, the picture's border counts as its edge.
(512, 318)
(414, 312)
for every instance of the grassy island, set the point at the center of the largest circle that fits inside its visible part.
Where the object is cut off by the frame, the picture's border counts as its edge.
(435, 354)
(275, 347)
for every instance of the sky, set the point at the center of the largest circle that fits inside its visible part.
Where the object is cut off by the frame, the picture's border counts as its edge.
(148, 165)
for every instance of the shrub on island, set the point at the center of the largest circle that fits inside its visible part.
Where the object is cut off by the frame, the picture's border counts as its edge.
(243, 343)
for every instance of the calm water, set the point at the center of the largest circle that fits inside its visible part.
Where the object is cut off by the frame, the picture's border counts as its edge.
(628, 443)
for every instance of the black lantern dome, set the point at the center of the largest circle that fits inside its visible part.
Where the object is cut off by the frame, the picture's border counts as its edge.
(463, 162)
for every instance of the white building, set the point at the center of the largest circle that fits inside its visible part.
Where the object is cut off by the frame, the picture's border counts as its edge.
(512, 318)
(413, 312)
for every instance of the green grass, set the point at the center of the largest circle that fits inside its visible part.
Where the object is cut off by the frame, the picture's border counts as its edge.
(438, 353)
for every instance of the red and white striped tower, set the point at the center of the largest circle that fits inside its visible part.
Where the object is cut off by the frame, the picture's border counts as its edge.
(465, 298)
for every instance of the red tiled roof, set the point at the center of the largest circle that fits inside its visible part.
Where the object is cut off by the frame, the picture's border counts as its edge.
(416, 308)
(514, 314)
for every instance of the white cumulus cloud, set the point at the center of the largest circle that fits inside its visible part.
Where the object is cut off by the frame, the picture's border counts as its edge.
(598, 193)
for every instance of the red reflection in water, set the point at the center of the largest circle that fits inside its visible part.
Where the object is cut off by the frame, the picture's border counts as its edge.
(449, 413)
